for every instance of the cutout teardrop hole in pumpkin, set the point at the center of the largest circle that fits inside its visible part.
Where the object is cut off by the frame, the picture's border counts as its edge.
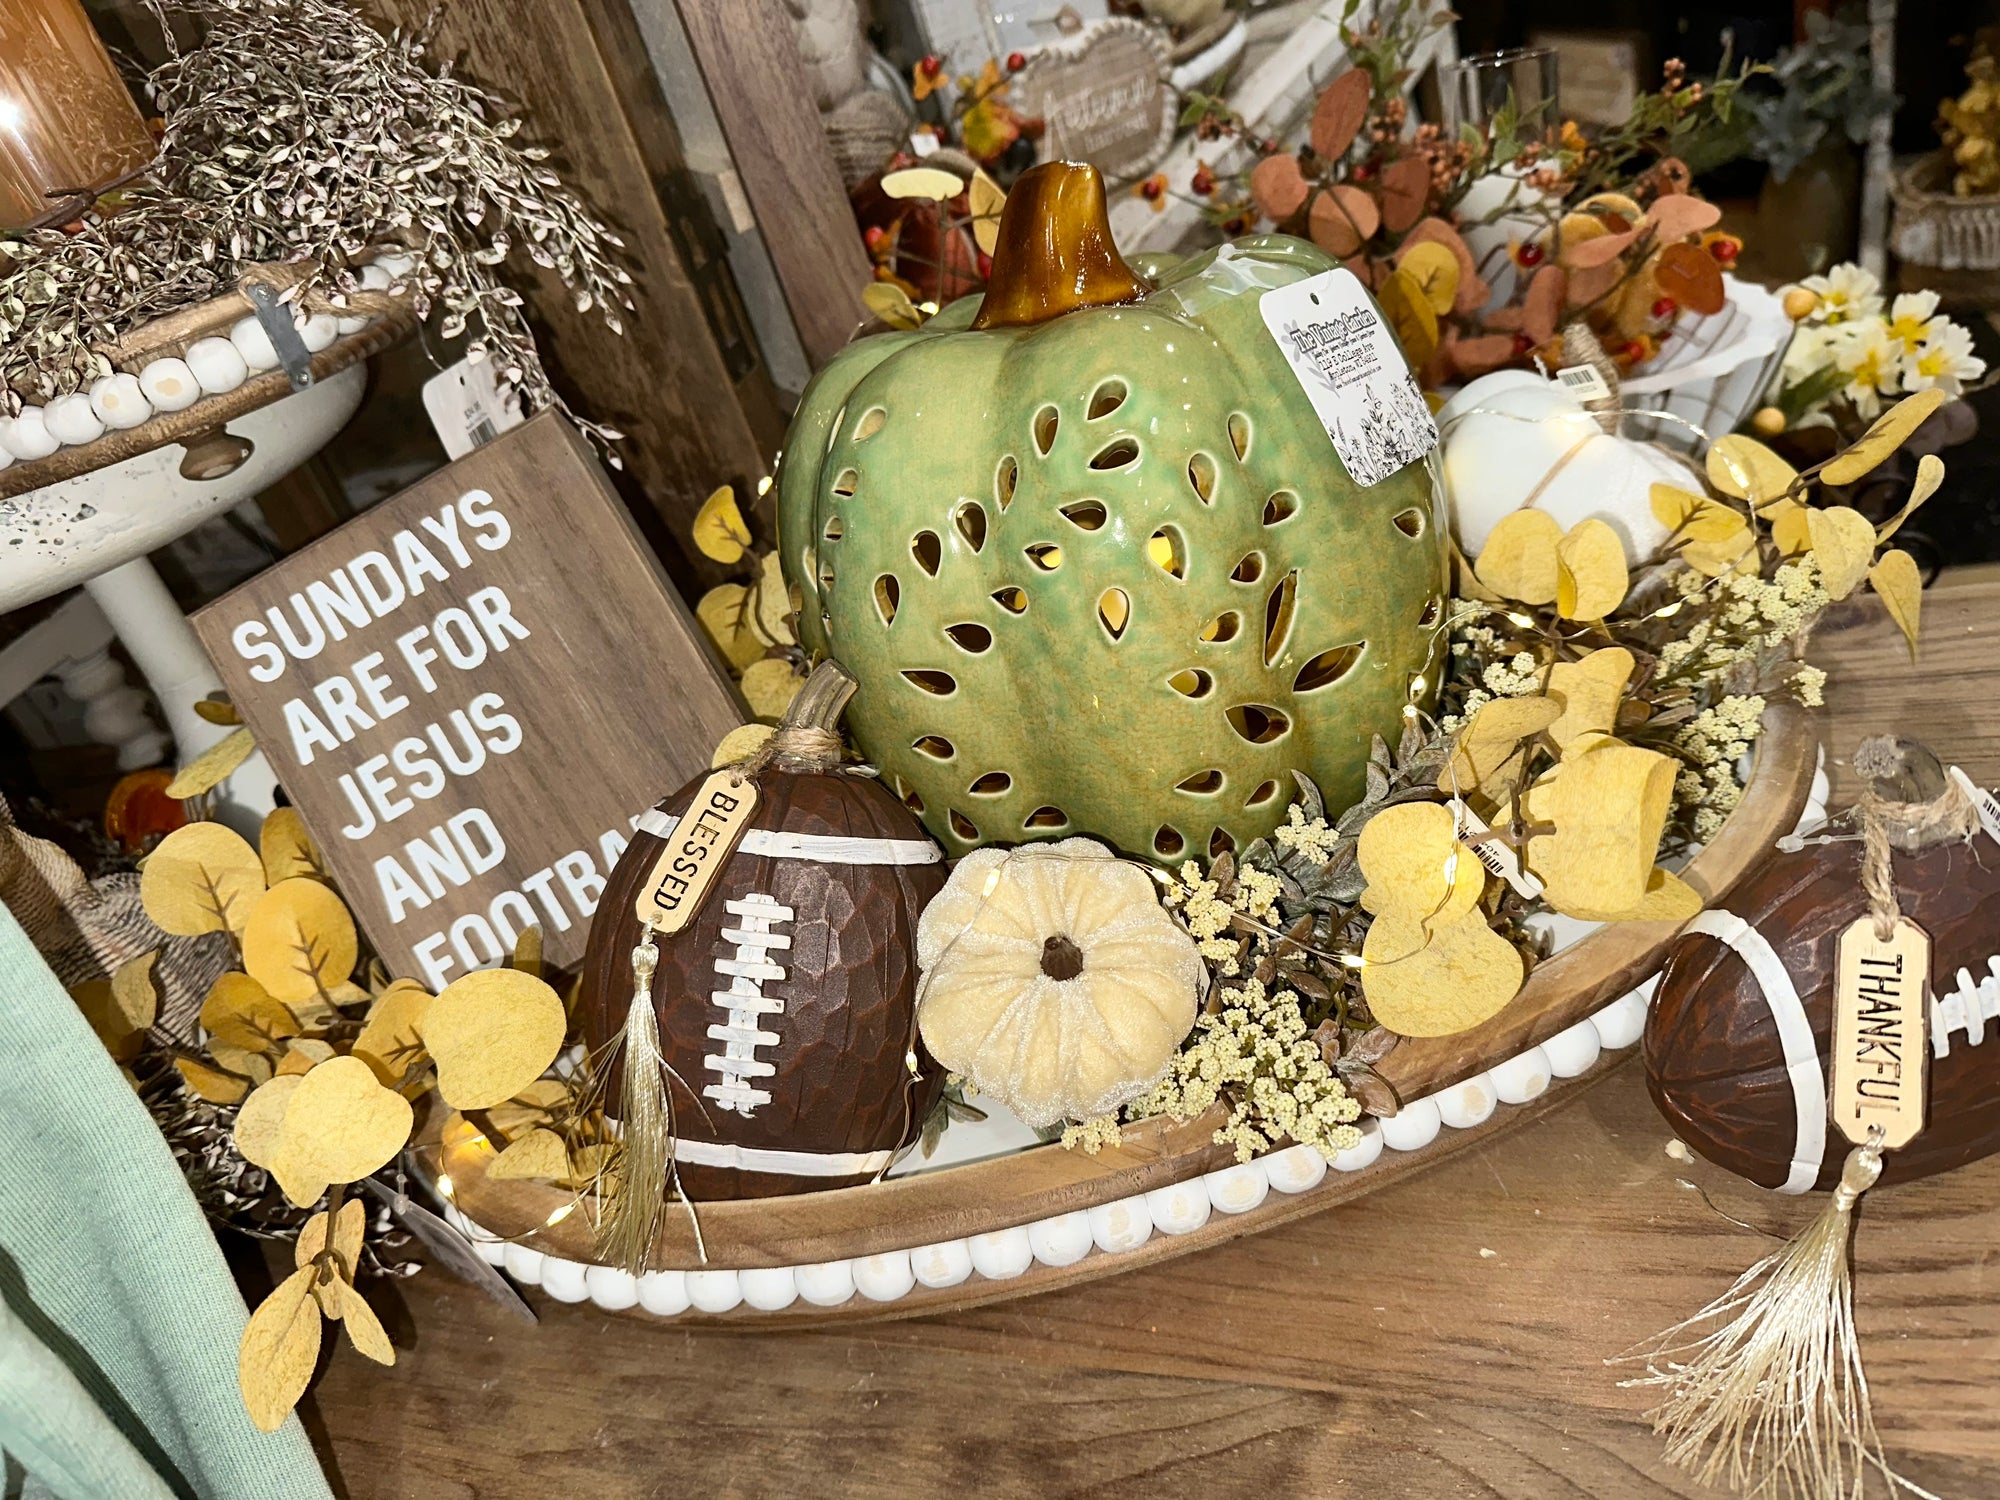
(1224, 627)
(1266, 790)
(888, 594)
(1410, 522)
(992, 784)
(1239, 435)
(1043, 818)
(825, 576)
(1432, 609)
(833, 428)
(1167, 551)
(1278, 612)
(1114, 610)
(1249, 568)
(1202, 784)
(1047, 420)
(1013, 600)
(1258, 723)
(835, 529)
(970, 518)
(1328, 667)
(936, 746)
(1119, 453)
(845, 485)
(910, 798)
(964, 827)
(1201, 474)
(1220, 842)
(1085, 515)
(1167, 841)
(870, 423)
(928, 551)
(1192, 682)
(1282, 506)
(1107, 398)
(1045, 555)
(1005, 478)
(940, 684)
(969, 636)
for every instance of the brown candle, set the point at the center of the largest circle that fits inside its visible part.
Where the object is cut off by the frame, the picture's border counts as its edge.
(68, 127)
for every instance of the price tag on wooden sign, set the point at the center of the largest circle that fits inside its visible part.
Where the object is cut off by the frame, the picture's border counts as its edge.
(1881, 1004)
(471, 692)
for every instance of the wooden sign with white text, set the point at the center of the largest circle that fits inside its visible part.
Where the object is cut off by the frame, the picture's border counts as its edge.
(470, 692)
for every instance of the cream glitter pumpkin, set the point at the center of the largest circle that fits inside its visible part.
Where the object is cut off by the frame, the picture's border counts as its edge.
(1053, 979)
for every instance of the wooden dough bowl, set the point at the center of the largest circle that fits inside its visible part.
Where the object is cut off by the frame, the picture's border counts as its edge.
(1458, 1079)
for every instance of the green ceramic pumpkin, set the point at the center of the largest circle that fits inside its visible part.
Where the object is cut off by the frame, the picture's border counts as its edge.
(1092, 557)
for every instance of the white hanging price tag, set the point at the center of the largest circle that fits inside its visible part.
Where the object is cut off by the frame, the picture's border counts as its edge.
(1983, 801)
(1584, 383)
(1497, 857)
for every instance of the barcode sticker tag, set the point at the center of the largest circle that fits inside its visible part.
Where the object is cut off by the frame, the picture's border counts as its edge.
(1584, 383)
(1984, 801)
(466, 407)
(1492, 853)
(1881, 1007)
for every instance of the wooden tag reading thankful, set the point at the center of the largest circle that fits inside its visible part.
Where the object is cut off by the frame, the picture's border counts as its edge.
(696, 851)
(1881, 1010)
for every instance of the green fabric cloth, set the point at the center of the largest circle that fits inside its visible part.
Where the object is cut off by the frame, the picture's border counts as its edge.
(119, 1333)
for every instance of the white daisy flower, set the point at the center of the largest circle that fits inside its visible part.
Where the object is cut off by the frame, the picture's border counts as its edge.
(1873, 365)
(1944, 360)
(1845, 292)
(1913, 319)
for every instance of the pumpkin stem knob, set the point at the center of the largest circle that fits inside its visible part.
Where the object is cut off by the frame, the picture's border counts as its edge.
(808, 738)
(1061, 958)
(1055, 253)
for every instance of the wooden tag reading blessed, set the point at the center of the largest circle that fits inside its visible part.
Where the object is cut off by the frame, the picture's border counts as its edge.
(696, 851)
(1881, 1010)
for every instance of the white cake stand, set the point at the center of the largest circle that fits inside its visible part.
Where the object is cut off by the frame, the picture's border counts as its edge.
(94, 524)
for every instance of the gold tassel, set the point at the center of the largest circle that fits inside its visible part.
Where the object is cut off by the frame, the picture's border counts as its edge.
(645, 1115)
(1774, 1402)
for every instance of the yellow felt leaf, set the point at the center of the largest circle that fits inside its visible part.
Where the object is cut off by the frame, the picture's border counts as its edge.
(1415, 865)
(739, 744)
(1435, 271)
(984, 198)
(287, 850)
(539, 1153)
(1505, 720)
(769, 687)
(201, 878)
(1668, 898)
(347, 1228)
(932, 183)
(299, 940)
(217, 711)
(213, 766)
(1439, 982)
(1888, 433)
(528, 951)
(1407, 306)
(260, 1124)
(1901, 586)
(1591, 579)
(770, 610)
(1589, 692)
(303, 1055)
(1843, 543)
(491, 1034)
(1791, 526)
(340, 1125)
(1609, 808)
(389, 1041)
(253, 1065)
(121, 1008)
(1519, 558)
(1930, 474)
(594, 1168)
(280, 1347)
(212, 1084)
(891, 304)
(1712, 538)
(719, 528)
(364, 1329)
(535, 1105)
(1744, 468)
(724, 614)
(239, 1012)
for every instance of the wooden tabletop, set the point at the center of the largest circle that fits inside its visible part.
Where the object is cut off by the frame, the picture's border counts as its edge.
(1441, 1338)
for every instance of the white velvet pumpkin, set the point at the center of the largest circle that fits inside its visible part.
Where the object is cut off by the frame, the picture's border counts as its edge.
(1053, 979)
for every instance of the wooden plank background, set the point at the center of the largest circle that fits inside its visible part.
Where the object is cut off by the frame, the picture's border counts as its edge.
(1441, 1339)
(618, 698)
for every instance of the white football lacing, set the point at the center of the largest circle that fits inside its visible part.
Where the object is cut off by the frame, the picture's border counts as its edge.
(745, 1001)
(1967, 1008)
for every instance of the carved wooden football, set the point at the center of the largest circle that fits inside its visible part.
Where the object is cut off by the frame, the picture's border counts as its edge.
(1737, 1044)
(787, 1007)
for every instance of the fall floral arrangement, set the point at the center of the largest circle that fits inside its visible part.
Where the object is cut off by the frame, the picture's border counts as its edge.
(1853, 349)
(1482, 247)
(297, 133)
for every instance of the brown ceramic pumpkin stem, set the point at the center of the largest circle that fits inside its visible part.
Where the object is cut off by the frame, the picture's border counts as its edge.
(808, 739)
(1055, 252)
